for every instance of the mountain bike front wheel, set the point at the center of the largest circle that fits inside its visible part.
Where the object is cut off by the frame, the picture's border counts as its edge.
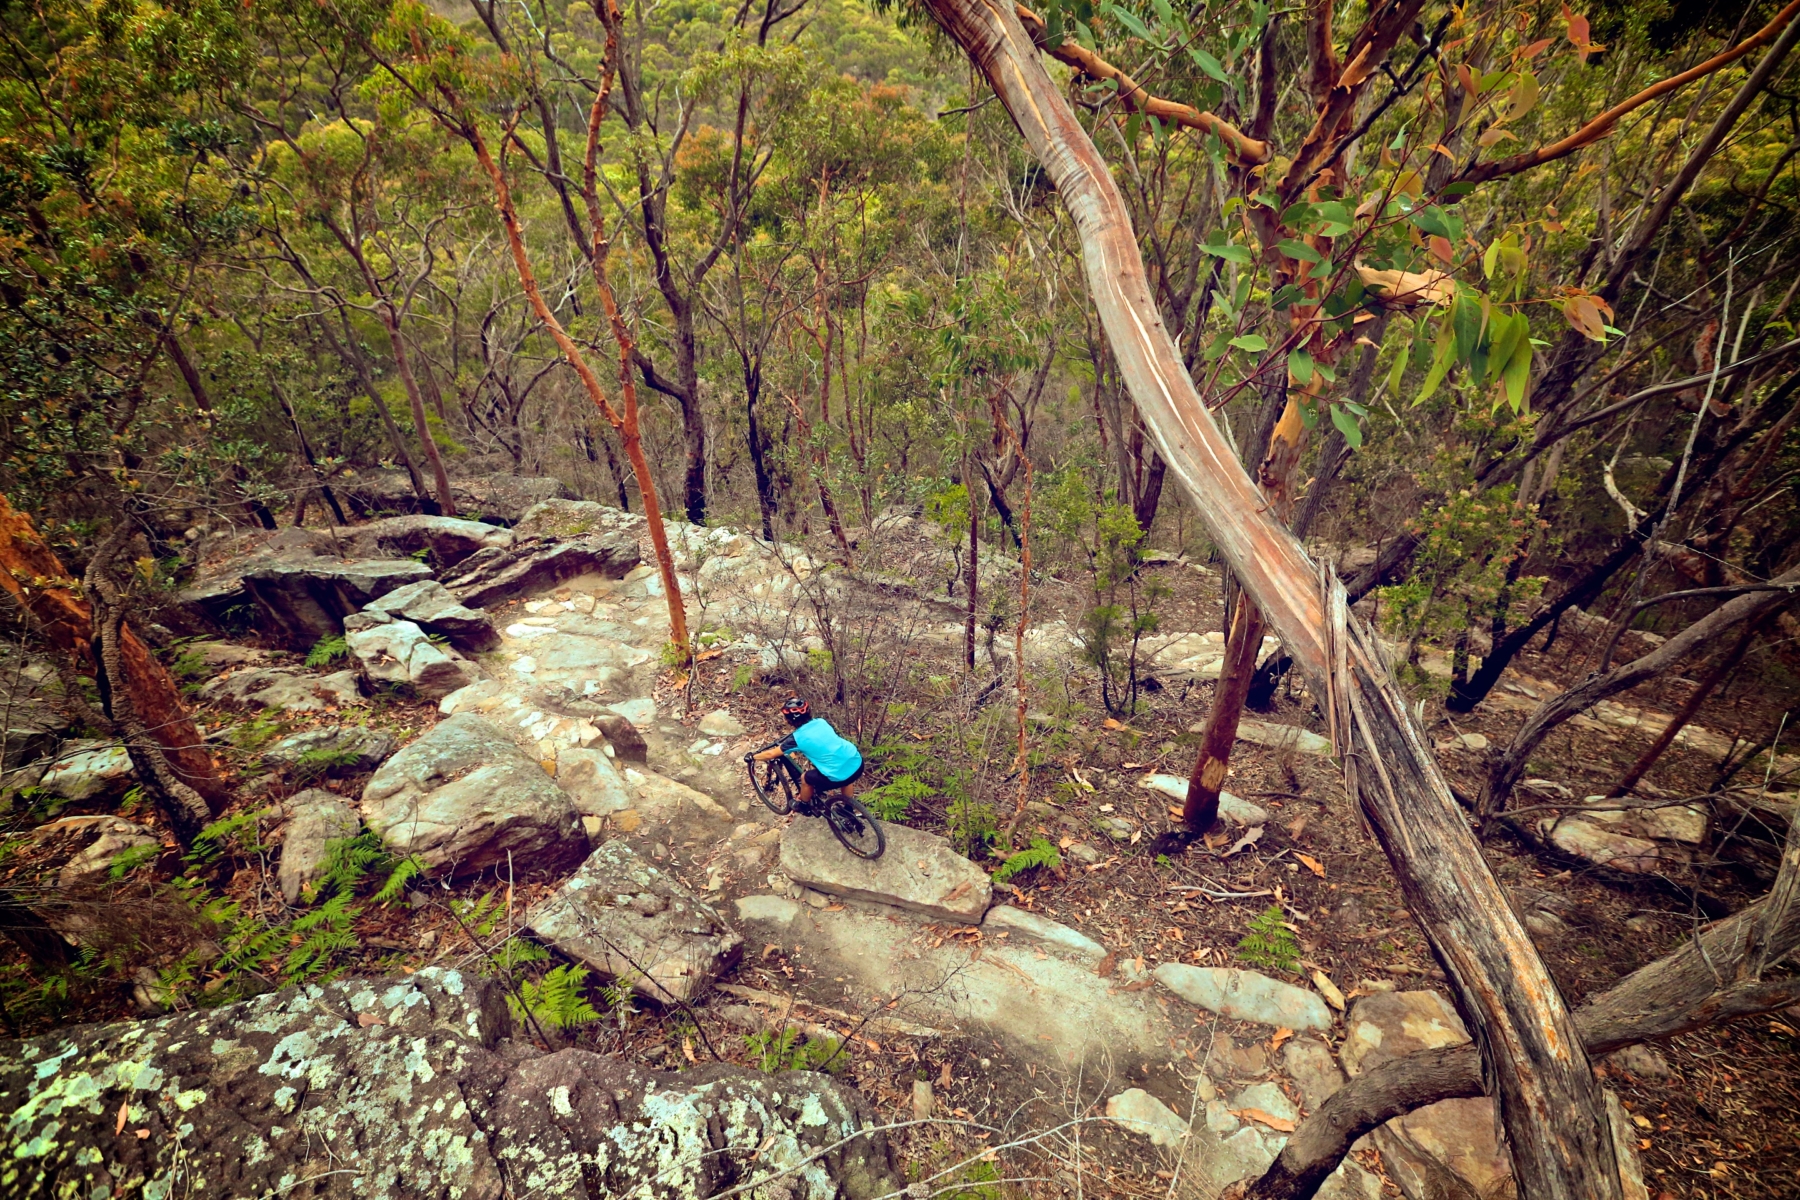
(859, 831)
(775, 788)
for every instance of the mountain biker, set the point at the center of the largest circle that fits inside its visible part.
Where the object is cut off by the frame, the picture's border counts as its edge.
(836, 763)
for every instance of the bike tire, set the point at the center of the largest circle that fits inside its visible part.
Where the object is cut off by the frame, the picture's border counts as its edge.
(775, 789)
(856, 829)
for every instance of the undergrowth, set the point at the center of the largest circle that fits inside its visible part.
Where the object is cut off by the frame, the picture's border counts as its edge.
(1271, 943)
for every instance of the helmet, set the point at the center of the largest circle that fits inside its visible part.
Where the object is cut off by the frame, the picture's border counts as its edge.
(796, 710)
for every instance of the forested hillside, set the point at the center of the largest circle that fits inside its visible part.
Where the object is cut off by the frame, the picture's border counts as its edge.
(1304, 496)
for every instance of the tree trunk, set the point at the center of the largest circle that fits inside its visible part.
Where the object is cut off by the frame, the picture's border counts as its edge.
(1507, 769)
(1201, 807)
(1557, 1126)
(1702, 691)
(390, 321)
(34, 575)
(1713, 977)
(197, 389)
(352, 353)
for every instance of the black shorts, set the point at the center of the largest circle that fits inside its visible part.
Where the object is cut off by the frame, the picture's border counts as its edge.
(819, 783)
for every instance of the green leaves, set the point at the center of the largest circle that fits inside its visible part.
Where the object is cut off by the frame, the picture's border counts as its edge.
(1253, 342)
(1208, 63)
(1347, 425)
(1229, 252)
(1296, 249)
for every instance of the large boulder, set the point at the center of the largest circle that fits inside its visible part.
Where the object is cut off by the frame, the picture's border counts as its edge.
(80, 770)
(300, 602)
(284, 689)
(400, 654)
(534, 565)
(217, 588)
(638, 924)
(332, 750)
(112, 837)
(561, 519)
(569, 747)
(316, 818)
(31, 723)
(495, 499)
(463, 797)
(443, 541)
(920, 871)
(409, 1089)
(429, 605)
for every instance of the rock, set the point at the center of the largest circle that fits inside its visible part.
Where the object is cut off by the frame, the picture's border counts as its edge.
(1143, 1114)
(1677, 823)
(640, 711)
(1601, 846)
(1232, 808)
(1545, 925)
(920, 872)
(1245, 996)
(1048, 1008)
(1225, 1059)
(1267, 1098)
(1116, 828)
(1394, 1024)
(31, 723)
(627, 743)
(299, 603)
(1082, 853)
(412, 1084)
(83, 770)
(1350, 1182)
(721, 724)
(399, 654)
(570, 748)
(634, 922)
(429, 605)
(1472, 743)
(1028, 926)
(115, 835)
(315, 817)
(498, 498)
(1646, 1062)
(445, 541)
(217, 588)
(463, 796)
(1244, 1154)
(557, 518)
(661, 797)
(1279, 737)
(534, 565)
(333, 750)
(1308, 1062)
(284, 689)
(921, 1100)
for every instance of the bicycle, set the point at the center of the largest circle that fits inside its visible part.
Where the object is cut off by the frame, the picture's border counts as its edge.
(779, 786)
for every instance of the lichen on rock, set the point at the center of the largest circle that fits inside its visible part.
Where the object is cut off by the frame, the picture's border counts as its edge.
(396, 1089)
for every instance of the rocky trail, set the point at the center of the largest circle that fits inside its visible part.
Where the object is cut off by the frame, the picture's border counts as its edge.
(559, 762)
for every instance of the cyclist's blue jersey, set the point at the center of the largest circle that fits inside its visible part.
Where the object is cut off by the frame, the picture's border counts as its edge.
(835, 758)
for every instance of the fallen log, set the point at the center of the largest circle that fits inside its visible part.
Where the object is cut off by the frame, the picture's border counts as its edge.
(1552, 1106)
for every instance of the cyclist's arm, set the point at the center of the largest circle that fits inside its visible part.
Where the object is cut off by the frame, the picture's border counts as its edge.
(773, 752)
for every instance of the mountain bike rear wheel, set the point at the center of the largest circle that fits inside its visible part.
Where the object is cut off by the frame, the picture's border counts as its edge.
(859, 832)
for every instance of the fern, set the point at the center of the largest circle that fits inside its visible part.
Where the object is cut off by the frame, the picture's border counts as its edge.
(314, 763)
(1270, 942)
(1041, 853)
(785, 1051)
(404, 872)
(235, 835)
(131, 858)
(327, 650)
(891, 800)
(559, 1000)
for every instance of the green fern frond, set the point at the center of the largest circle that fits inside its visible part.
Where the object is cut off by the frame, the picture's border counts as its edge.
(559, 1000)
(1270, 943)
(891, 800)
(1041, 853)
(327, 650)
(404, 872)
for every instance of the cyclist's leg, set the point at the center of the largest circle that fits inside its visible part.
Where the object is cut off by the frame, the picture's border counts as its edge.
(813, 783)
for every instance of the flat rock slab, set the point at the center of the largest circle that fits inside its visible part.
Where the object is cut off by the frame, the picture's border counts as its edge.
(1024, 926)
(446, 540)
(285, 689)
(115, 835)
(1281, 737)
(1232, 808)
(638, 924)
(920, 872)
(1141, 1113)
(316, 818)
(409, 1089)
(463, 798)
(84, 770)
(1045, 1006)
(1245, 996)
(492, 576)
(1605, 847)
